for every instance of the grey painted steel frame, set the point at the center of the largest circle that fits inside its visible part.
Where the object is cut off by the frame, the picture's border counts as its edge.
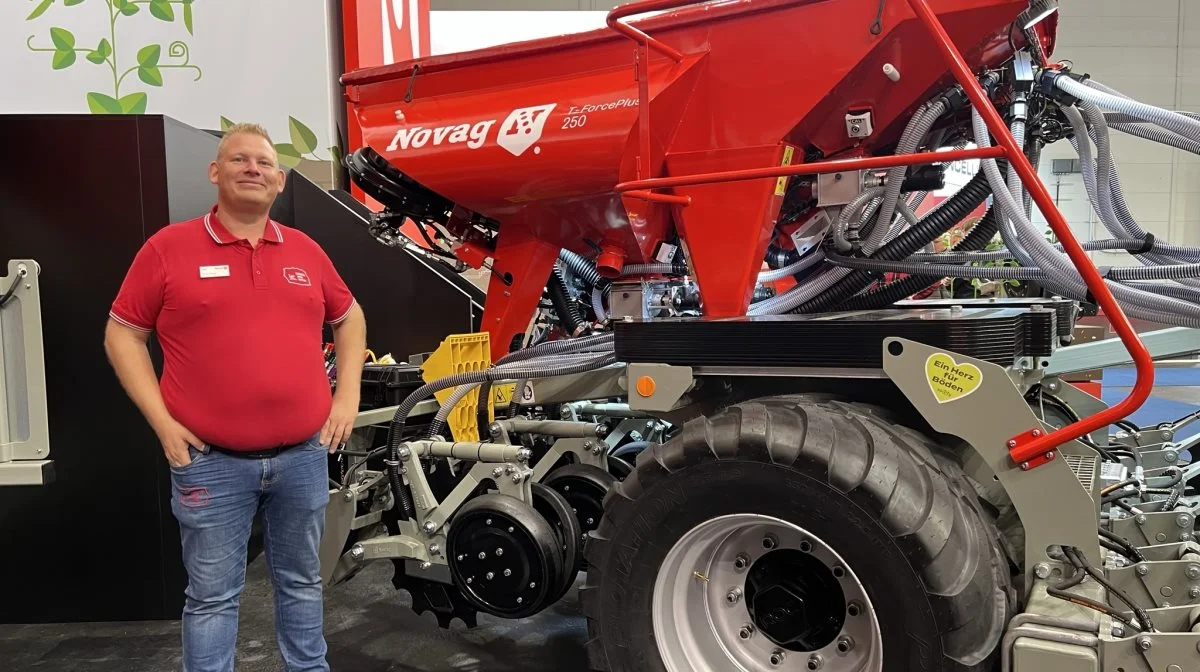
(1162, 343)
(424, 539)
(1050, 500)
(25, 430)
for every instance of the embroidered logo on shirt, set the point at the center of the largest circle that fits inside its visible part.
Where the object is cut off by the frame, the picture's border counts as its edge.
(296, 276)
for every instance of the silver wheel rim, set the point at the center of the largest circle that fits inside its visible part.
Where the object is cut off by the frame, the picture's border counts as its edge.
(702, 619)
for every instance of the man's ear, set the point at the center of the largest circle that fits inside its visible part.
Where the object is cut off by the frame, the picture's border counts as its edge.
(282, 180)
(212, 172)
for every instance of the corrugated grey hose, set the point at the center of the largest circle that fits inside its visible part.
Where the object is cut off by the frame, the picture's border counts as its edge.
(996, 255)
(918, 127)
(1062, 276)
(1010, 272)
(596, 342)
(1172, 121)
(1105, 193)
(1168, 253)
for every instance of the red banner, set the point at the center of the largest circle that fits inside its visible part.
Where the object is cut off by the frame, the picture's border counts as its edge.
(380, 32)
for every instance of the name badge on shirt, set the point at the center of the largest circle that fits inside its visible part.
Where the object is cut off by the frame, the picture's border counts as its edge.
(214, 271)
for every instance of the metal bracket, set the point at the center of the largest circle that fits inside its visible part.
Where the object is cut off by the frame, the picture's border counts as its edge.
(586, 451)
(1162, 343)
(1055, 505)
(24, 421)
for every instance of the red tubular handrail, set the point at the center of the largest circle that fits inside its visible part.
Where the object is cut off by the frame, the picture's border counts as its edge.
(1036, 450)
(644, 42)
(835, 166)
(1032, 447)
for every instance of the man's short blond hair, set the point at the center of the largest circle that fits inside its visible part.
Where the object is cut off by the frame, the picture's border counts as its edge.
(247, 128)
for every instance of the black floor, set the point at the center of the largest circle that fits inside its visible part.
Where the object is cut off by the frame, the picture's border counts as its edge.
(369, 627)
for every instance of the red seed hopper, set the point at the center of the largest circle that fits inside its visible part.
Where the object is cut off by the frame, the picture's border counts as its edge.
(523, 149)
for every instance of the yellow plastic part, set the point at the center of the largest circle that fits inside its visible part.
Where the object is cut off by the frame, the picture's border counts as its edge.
(461, 353)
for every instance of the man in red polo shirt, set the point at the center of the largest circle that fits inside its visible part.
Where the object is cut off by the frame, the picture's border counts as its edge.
(244, 409)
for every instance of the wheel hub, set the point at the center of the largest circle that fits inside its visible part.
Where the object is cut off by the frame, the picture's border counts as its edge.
(752, 593)
(795, 600)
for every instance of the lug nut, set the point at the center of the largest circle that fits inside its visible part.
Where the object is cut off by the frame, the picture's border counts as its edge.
(733, 596)
(770, 541)
(777, 657)
(746, 632)
(844, 644)
(742, 561)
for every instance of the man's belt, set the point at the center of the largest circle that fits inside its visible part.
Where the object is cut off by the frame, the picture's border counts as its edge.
(251, 454)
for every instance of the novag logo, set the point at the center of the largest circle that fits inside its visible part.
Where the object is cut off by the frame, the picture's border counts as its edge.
(521, 130)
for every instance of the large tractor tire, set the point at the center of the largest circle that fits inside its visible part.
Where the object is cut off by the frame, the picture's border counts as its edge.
(795, 533)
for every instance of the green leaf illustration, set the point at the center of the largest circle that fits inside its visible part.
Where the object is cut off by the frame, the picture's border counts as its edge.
(101, 52)
(62, 38)
(304, 140)
(187, 16)
(71, 3)
(63, 59)
(151, 75)
(161, 9)
(39, 10)
(99, 103)
(289, 156)
(126, 7)
(226, 124)
(134, 103)
(148, 56)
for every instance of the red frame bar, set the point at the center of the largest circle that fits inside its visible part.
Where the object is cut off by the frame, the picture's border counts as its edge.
(642, 59)
(1030, 448)
(836, 166)
(1039, 449)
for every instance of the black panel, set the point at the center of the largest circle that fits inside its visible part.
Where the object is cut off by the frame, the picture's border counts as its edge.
(81, 200)
(842, 340)
(410, 306)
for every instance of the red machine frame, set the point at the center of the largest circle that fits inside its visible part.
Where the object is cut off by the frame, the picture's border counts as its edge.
(1031, 448)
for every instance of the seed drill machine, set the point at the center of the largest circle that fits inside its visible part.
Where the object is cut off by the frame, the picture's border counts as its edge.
(702, 385)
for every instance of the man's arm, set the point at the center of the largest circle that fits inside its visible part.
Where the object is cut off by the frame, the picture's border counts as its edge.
(129, 355)
(350, 344)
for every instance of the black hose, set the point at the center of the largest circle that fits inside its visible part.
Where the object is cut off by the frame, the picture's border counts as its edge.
(898, 290)
(934, 224)
(563, 307)
(1130, 551)
(581, 267)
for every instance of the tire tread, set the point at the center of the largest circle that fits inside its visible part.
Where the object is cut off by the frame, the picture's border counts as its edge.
(917, 493)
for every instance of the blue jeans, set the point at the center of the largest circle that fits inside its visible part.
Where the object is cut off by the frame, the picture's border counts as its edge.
(215, 499)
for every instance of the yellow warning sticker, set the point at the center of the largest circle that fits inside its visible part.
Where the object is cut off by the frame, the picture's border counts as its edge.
(503, 394)
(949, 380)
(781, 183)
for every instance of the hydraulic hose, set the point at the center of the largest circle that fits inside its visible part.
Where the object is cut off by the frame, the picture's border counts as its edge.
(563, 307)
(844, 236)
(595, 343)
(941, 220)
(910, 141)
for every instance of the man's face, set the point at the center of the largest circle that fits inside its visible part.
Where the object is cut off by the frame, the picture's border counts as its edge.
(247, 171)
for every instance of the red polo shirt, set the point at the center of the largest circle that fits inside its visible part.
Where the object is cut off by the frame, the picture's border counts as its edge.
(240, 329)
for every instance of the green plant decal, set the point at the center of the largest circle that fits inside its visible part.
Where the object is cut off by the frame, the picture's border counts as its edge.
(303, 144)
(149, 58)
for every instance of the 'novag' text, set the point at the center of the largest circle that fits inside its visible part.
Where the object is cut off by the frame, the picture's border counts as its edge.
(416, 137)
